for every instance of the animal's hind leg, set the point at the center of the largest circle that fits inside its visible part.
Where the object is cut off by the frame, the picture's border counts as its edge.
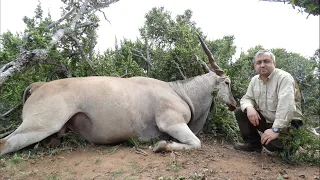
(182, 133)
(27, 134)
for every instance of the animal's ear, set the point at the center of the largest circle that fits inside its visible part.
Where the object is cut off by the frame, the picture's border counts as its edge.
(220, 79)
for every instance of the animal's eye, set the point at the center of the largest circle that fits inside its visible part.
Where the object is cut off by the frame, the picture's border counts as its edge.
(227, 83)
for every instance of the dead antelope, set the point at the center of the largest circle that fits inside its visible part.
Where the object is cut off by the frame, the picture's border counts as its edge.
(110, 109)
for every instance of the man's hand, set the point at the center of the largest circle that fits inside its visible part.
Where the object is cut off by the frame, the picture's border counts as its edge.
(268, 136)
(253, 116)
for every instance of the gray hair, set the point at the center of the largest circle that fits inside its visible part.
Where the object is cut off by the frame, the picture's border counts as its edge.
(265, 51)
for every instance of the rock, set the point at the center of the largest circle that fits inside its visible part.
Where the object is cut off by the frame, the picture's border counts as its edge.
(285, 176)
(283, 171)
(32, 161)
(302, 176)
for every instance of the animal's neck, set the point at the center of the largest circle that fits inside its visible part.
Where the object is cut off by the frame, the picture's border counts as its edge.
(197, 92)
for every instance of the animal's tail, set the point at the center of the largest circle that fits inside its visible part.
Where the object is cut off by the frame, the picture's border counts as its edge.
(30, 89)
(26, 94)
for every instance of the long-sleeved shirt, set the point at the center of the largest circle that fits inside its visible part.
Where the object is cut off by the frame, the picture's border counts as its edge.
(275, 98)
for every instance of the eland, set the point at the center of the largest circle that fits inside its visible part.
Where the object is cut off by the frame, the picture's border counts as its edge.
(107, 110)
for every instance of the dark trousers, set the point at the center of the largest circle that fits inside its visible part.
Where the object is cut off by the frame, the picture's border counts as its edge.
(250, 134)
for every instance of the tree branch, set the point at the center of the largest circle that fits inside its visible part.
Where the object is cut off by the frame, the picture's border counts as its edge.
(5, 134)
(85, 24)
(203, 64)
(23, 59)
(315, 131)
(140, 54)
(5, 131)
(62, 18)
(2, 116)
(61, 68)
(178, 67)
(148, 56)
(61, 32)
(97, 6)
(83, 55)
(125, 74)
(105, 17)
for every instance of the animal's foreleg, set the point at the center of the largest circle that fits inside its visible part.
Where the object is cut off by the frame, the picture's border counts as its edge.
(182, 133)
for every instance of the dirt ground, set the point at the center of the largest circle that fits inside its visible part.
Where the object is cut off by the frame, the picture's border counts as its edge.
(215, 160)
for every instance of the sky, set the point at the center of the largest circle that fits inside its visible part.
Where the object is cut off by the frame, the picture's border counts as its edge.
(252, 22)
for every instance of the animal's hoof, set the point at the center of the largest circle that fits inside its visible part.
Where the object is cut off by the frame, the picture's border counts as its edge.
(2, 144)
(51, 142)
(160, 146)
(54, 143)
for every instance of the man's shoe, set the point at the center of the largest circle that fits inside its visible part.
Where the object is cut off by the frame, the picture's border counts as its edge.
(248, 147)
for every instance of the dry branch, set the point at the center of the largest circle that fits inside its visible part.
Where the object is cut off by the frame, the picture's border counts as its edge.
(82, 53)
(23, 59)
(314, 131)
(62, 18)
(140, 54)
(125, 74)
(5, 134)
(178, 67)
(140, 151)
(86, 24)
(148, 56)
(203, 64)
(105, 17)
(2, 116)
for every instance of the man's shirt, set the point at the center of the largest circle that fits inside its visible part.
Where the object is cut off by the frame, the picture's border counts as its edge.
(275, 99)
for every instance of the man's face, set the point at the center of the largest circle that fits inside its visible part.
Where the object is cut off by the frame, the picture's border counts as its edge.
(264, 65)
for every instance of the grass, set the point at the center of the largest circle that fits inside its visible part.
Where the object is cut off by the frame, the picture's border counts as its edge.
(195, 176)
(130, 178)
(134, 141)
(97, 160)
(52, 176)
(106, 149)
(174, 166)
(134, 166)
(116, 174)
(16, 159)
